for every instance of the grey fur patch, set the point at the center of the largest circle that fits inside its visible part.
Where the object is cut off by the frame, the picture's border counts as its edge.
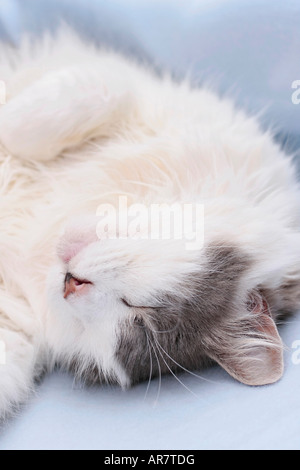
(176, 336)
(289, 294)
(285, 300)
(91, 375)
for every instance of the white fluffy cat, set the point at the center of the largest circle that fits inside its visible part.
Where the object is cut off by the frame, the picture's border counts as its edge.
(82, 127)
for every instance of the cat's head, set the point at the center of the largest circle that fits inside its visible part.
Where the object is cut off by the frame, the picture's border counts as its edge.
(124, 310)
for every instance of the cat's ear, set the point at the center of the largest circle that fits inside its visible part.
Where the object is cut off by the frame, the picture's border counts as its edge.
(251, 350)
(59, 111)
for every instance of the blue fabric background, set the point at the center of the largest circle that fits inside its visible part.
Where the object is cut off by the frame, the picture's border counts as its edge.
(251, 49)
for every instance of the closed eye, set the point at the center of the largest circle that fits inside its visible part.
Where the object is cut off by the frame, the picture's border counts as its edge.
(125, 302)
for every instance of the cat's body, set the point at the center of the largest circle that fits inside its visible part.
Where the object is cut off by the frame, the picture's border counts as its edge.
(83, 127)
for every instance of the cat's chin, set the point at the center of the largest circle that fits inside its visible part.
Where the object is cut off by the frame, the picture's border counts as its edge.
(81, 332)
(73, 296)
(75, 300)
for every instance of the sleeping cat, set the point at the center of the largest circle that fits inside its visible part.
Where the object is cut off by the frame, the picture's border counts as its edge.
(82, 128)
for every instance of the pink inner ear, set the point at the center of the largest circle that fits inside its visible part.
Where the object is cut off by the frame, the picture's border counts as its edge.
(254, 356)
(258, 305)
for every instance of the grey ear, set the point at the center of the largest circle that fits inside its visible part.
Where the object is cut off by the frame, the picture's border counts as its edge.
(252, 351)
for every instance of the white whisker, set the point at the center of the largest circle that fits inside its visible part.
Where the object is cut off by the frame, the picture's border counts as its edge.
(175, 376)
(159, 368)
(183, 368)
(151, 366)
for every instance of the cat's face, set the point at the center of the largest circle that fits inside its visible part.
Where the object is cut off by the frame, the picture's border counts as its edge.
(124, 310)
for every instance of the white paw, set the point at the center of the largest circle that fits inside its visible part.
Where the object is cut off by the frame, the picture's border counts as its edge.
(17, 360)
(57, 112)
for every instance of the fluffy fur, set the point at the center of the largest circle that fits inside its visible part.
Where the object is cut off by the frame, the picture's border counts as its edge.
(80, 128)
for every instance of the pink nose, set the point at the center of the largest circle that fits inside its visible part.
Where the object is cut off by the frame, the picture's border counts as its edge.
(70, 287)
(73, 285)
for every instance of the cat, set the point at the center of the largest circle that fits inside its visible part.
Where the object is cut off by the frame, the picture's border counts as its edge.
(81, 128)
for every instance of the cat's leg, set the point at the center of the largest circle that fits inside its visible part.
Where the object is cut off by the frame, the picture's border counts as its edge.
(59, 111)
(17, 359)
(19, 353)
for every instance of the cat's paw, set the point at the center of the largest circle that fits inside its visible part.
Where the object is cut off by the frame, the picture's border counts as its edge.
(60, 111)
(17, 358)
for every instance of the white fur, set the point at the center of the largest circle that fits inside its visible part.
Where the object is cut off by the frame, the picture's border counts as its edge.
(80, 128)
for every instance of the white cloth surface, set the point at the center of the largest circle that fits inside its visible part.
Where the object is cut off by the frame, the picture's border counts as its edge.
(251, 47)
(217, 413)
